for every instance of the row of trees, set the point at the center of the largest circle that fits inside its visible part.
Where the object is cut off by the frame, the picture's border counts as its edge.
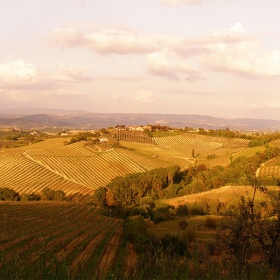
(8, 194)
(257, 139)
(129, 190)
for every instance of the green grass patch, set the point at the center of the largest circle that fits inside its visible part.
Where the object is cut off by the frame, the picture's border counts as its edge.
(151, 156)
(195, 224)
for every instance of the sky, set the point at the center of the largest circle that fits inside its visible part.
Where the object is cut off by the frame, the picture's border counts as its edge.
(206, 57)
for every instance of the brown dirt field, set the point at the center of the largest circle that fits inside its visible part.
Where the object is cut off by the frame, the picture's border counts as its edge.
(130, 260)
(109, 254)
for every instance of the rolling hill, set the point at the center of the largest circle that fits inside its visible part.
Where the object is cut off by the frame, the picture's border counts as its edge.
(36, 118)
(72, 168)
(79, 169)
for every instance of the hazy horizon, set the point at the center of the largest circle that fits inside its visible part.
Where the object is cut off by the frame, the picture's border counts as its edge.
(219, 58)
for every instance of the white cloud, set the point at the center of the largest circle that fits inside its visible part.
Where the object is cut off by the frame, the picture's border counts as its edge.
(273, 104)
(107, 40)
(19, 72)
(187, 2)
(267, 104)
(159, 65)
(171, 66)
(19, 75)
(66, 73)
(67, 37)
(80, 2)
(254, 106)
(178, 2)
(243, 58)
(227, 50)
(144, 96)
(16, 96)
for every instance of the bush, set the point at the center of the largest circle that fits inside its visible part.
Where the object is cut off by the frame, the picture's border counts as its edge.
(164, 214)
(210, 223)
(30, 197)
(147, 200)
(183, 224)
(197, 210)
(182, 210)
(9, 194)
(191, 234)
(134, 228)
(144, 210)
(174, 245)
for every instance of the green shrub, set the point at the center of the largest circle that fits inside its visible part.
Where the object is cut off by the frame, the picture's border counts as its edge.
(197, 210)
(134, 228)
(210, 223)
(182, 210)
(183, 224)
(191, 234)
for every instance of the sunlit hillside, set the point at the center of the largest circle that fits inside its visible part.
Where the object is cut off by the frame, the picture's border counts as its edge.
(80, 168)
(201, 144)
(71, 168)
(226, 195)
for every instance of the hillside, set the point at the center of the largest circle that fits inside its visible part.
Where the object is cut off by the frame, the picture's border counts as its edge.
(75, 169)
(79, 168)
(224, 195)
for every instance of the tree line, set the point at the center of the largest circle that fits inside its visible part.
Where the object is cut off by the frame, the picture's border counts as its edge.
(8, 194)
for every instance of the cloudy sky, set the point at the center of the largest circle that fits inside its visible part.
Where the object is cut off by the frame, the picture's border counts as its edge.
(206, 57)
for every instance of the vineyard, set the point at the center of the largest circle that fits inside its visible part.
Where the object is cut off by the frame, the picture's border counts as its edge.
(225, 195)
(199, 144)
(46, 236)
(132, 136)
(270, 168)
(151, 157)
(75, 169)
(249, 152)
(276, 143)
(79, 169)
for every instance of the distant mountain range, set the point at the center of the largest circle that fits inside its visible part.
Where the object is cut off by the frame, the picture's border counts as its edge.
(46, 119)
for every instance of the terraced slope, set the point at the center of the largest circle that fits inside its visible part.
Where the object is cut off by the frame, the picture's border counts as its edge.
(72, 168)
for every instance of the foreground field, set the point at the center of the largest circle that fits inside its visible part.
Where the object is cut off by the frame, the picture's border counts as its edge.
(39, 238)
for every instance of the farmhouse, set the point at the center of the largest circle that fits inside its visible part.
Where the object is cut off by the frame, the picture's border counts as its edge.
(34, 133)
(120, 127)
(76, 131)
(136, 128)
(103, 140)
